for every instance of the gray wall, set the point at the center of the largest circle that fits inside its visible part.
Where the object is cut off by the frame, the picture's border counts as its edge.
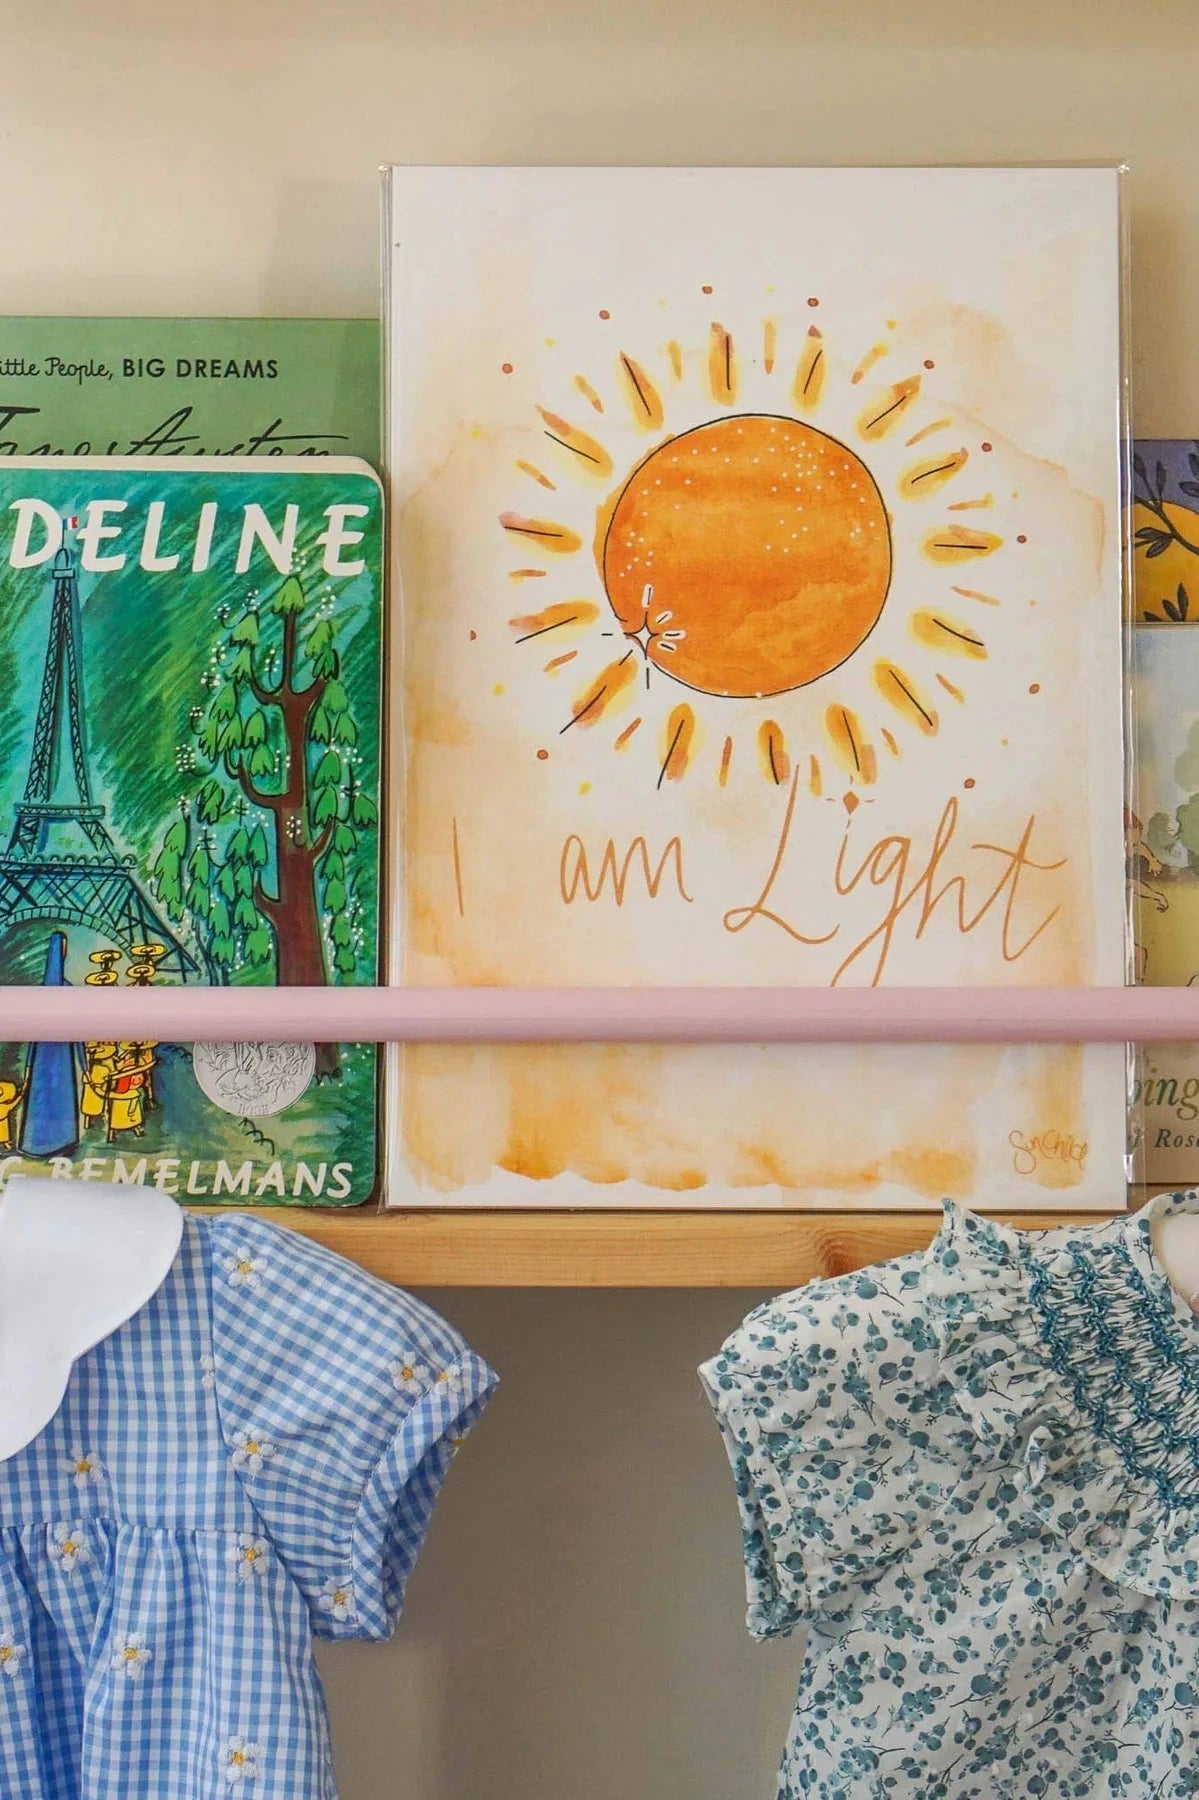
(574, 1630)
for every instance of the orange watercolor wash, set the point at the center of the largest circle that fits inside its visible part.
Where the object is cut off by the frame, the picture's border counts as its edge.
(754, 553)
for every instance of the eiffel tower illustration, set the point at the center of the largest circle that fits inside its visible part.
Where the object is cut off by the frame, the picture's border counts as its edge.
(61, 864)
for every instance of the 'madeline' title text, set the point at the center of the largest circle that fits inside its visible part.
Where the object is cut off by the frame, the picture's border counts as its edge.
(37, 535)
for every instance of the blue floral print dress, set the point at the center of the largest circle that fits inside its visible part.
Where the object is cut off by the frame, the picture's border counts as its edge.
(973, 1474)
(249, 1462)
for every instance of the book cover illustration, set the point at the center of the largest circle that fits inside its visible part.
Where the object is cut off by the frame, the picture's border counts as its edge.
(1165, 519)
(1163, 821)
(189, 387)
(189, 793)
(757, 551)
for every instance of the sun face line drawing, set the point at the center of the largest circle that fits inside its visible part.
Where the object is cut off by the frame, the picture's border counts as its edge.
(748, 562)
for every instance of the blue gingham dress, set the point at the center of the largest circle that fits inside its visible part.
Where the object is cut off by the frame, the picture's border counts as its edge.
(250, 1461)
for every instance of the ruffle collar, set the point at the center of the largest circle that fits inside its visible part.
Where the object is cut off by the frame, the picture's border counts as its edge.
(1071, 1350)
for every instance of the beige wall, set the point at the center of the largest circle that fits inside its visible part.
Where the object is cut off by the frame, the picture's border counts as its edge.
(574, 1629)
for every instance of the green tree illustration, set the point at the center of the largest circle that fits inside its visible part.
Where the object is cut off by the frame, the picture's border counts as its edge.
(1187, 834)
(261, 860)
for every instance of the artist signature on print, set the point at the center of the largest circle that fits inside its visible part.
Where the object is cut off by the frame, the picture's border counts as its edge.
(254, 1080)
(1043, 1149)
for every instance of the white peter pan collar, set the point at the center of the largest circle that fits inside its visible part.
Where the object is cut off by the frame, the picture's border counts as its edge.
(77, 1259)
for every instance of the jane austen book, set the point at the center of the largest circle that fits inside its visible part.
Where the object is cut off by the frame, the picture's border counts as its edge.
(189, 793)
(189, 387)
(757, 552)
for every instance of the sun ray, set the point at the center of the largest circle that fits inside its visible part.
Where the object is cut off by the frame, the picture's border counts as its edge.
(726, 757)
(973, 594)
(956, 692)
(815, 779)
(627, 733)
(528, 468)
(926, 431)
(556, 662)
(924, 478)
(971, 505)
(589, 450)
(554, 618)
(849, 744)
(588, 392)
(900, 691)
(887, 409)
(556, 540)
(772, 751)
(941, 632)
(959, 543)
(525, 574)
(722, 365)
(604, 693)
(888, 740)
(675, 352)
(643, 396)
(770, 334)
(680, 744)
(809, 376)
(875, 354)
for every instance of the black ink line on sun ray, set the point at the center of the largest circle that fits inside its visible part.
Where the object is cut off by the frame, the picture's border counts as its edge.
(594, 700)
(669, 753)
(574, 449)
(541, 630)
(905, 689)
(629, 371)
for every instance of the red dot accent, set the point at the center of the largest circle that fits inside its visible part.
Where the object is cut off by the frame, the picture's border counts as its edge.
(1035, 688)
(507, 368)
(473, 636)
(543, 756)
(929, 363)
(605, 314)
(1022, 539)
(969, 781)
(984, 446)
(813, 301)
(705, 289)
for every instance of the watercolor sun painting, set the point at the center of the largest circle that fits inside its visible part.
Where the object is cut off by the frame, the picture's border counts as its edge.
(760, 623)
(750, 556)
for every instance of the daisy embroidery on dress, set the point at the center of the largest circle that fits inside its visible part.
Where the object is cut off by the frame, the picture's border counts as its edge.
(131, 1656)
(11, 1654)
(84, 1468)
(245, 1270)
(448, 1381)
(250, 1556)
(409, 1376)
(337, 1599)
(250, 1450)
(241, 1761)
(69, 1547)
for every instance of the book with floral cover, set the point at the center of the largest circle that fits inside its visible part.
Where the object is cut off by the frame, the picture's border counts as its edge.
(1163, 820)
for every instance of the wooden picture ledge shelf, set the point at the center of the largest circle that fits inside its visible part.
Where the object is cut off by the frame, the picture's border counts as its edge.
(774, 1250)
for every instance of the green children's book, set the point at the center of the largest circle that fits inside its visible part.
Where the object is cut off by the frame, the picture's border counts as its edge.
(190, 695)
(189, 387)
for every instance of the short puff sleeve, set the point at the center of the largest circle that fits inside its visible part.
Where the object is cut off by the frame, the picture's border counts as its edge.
(342, 1401)
(841, 1436)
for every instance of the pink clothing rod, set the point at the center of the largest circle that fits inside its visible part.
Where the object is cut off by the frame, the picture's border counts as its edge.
(504, 1015)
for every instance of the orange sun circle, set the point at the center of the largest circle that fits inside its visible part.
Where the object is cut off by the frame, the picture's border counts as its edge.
(750, 555)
